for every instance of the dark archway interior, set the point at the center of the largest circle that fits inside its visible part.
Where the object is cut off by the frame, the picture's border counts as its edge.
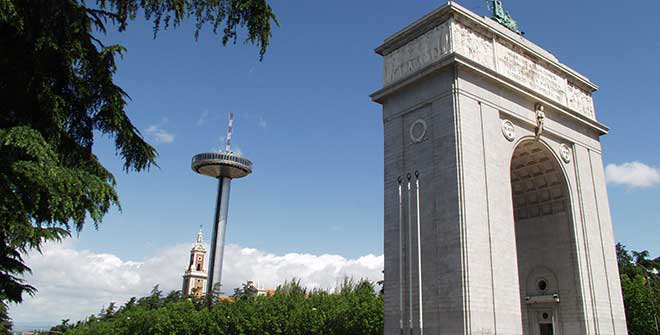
(544, 240)
(537, 182)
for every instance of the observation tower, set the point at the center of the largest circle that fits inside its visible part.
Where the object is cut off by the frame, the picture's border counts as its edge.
(224, 166)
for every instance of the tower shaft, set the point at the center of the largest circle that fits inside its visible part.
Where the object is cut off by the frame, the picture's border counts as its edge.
(224, 166)
(218, 242)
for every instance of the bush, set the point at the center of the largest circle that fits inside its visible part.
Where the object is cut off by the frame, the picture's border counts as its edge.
(353, 308)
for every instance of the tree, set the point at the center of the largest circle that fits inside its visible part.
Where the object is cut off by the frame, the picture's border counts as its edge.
(247, 290)
(62, 327)
(381, 283)
(173, 296)
(641, 292)
(57, 91)
(5, 321)
(108, 312)
(153, 300)
(639, 306)
(353, 308)
(130, 304)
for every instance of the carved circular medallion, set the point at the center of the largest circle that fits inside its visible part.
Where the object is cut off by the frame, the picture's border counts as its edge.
(418, 131)
(508, 130)
(565, 152)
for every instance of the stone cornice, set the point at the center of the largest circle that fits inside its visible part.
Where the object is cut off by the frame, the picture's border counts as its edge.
(195, 274)
(452, 34)
(467, 63)
(452, 9)
(381, 94)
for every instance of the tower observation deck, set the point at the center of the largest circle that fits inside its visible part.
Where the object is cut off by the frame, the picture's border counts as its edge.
(221, 164)
(224, 166)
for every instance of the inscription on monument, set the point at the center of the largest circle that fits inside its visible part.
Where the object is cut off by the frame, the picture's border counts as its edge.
(514, 64)
(497, 54)
(473, 45)
(418, 53)
(580, 101)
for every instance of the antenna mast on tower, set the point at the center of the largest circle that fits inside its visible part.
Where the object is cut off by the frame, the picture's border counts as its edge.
(231, 123)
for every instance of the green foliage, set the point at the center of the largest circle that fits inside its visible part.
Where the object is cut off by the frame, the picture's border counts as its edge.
(5, 321)
(57, 92)
(62, 327)
(640, 285)
(354, 308)
(153, 300)
(108, 312)
(246, 291)
(39, 197)
(639, 306)
(228, 15)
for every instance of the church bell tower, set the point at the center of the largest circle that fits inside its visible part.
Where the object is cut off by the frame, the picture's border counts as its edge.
(194, 279)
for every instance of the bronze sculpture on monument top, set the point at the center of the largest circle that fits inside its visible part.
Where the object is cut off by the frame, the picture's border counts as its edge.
(502, 17)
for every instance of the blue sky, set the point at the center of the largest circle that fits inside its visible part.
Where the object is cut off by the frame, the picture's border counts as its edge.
(303, 116)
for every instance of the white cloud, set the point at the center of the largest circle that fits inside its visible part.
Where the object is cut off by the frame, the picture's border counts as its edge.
(632, 174)
(221, 144)
(237, 150)
(262, 122)
(158, 134)
(84, 280)
(202, 118)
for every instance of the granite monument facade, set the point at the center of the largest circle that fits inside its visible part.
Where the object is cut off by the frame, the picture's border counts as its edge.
(496, 211)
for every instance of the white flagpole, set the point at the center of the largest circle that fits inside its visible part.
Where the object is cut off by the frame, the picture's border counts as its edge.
(419, 259)
(410, 257)
(401, 312)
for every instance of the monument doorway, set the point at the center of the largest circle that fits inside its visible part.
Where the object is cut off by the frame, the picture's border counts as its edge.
(545, 242)
(546, 329)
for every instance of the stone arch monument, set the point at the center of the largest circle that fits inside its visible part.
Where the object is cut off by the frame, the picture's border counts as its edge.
(496, 212)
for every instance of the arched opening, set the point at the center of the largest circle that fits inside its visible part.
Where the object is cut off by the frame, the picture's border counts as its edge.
(544, 241)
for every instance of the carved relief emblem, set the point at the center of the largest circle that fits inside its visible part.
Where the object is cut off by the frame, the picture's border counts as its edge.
(508, 130)
(417, 54)
(565, 152)
(473, 45)
(418, 131)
